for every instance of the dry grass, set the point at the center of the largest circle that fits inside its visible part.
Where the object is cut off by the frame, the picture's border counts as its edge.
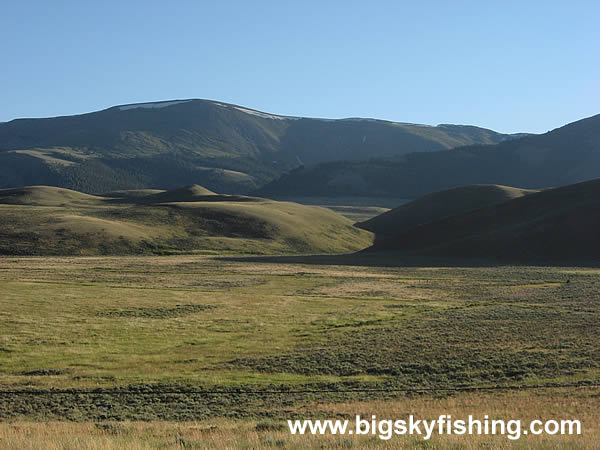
(149, 325)
(42, 220)
(580, 404)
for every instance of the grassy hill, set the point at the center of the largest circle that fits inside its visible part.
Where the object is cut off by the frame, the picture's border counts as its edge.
(555, 224)
(42, 220)
(438, 205)
(46, 196)
(225, 147)
(563, 156)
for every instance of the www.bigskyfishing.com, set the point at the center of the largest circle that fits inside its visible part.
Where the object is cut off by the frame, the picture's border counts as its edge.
(443, 425)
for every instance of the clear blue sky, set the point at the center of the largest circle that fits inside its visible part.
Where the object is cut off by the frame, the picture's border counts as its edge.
(506, 65)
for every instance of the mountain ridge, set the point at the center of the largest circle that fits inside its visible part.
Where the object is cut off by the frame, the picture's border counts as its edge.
(226, 147)
(563, 156)
(159, 104)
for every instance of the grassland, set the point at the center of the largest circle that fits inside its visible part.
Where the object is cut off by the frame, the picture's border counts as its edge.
(357, 209)
(42, 220)
(96, 340)
(582, 404)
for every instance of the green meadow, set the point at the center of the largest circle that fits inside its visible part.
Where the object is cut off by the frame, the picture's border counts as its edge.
(44, 220)
(153, 338)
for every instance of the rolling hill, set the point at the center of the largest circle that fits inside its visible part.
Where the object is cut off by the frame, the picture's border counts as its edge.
(438, 205)
(558, 224)
(42, 220)
(226, 147)
(567, 155)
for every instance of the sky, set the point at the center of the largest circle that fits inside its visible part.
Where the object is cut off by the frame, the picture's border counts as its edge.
(512, 66)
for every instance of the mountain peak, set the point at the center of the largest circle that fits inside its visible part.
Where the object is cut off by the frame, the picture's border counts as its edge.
(226, 147)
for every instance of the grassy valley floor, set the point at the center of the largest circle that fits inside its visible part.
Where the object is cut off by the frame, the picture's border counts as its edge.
(148, 350)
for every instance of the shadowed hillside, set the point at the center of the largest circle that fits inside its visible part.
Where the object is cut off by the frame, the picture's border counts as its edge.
(132, 193)
(41, 220)
(438, 205)
(556, 224)
(228, 148)
(563, 156)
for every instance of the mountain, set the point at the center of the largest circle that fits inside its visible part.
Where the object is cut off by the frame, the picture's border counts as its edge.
(225, 147)
(563, 156)
(438, 205)
(558, 224)
(44, 220)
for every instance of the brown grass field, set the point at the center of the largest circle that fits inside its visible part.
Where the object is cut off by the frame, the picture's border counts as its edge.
(582, 404)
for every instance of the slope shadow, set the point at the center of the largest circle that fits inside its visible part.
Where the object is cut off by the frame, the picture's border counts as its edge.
(404, 259)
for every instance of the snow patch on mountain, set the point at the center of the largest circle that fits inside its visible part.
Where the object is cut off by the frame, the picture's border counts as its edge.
(254, 112)
(264, 115)
(152, 105)
(360, 119)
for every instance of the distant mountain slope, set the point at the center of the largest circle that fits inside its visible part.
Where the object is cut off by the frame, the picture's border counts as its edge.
(556, 224)
(439, 205)
(42, 220)
(225, 147)
(563, 156)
